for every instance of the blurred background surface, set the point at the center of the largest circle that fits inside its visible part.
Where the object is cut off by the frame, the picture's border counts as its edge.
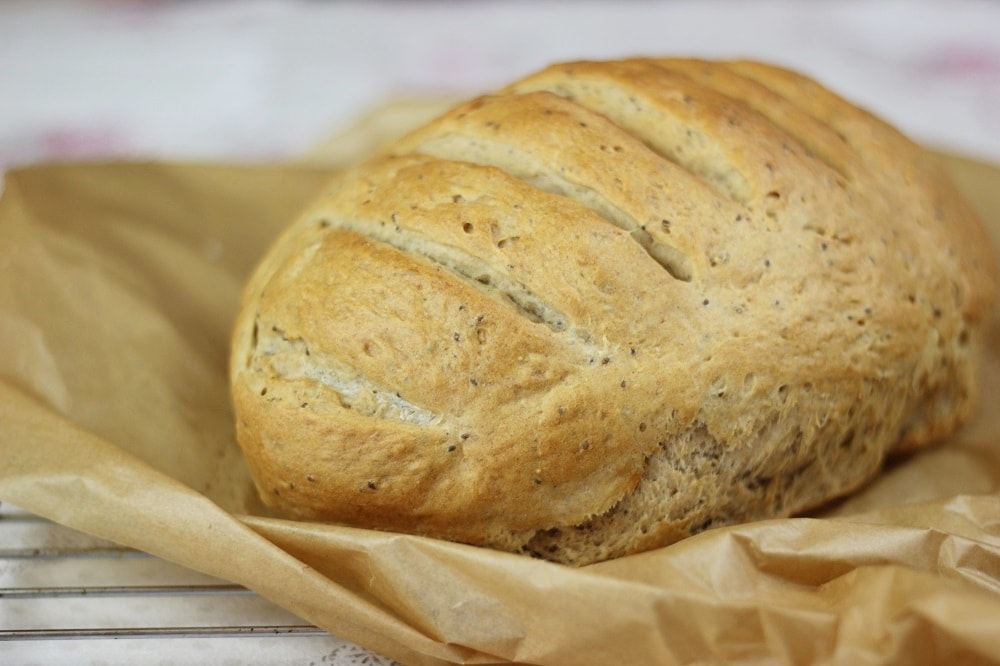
(268, 79)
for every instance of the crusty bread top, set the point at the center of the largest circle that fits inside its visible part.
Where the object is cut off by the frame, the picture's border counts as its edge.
(497, 330)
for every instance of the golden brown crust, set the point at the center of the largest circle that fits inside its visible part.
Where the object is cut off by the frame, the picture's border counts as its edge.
(608, 307)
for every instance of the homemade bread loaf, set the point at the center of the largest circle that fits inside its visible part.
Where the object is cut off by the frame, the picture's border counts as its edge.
(608, 307)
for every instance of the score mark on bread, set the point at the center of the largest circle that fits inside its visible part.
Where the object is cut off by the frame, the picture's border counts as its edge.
(610, 306)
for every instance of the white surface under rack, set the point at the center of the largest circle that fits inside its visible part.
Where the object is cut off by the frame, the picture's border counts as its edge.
(69, 598)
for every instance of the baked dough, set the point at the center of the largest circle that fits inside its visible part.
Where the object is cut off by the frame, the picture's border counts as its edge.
(610, 306)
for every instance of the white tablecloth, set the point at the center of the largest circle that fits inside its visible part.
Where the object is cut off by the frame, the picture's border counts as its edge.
(267, 79)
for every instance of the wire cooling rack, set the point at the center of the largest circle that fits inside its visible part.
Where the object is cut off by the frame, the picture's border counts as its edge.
(66, 597)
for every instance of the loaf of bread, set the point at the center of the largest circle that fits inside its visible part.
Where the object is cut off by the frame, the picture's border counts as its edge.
(610, 306)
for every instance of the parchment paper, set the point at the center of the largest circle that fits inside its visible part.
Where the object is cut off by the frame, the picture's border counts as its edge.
(118, 283)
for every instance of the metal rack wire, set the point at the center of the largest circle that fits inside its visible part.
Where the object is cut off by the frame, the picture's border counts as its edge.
(66, 597)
